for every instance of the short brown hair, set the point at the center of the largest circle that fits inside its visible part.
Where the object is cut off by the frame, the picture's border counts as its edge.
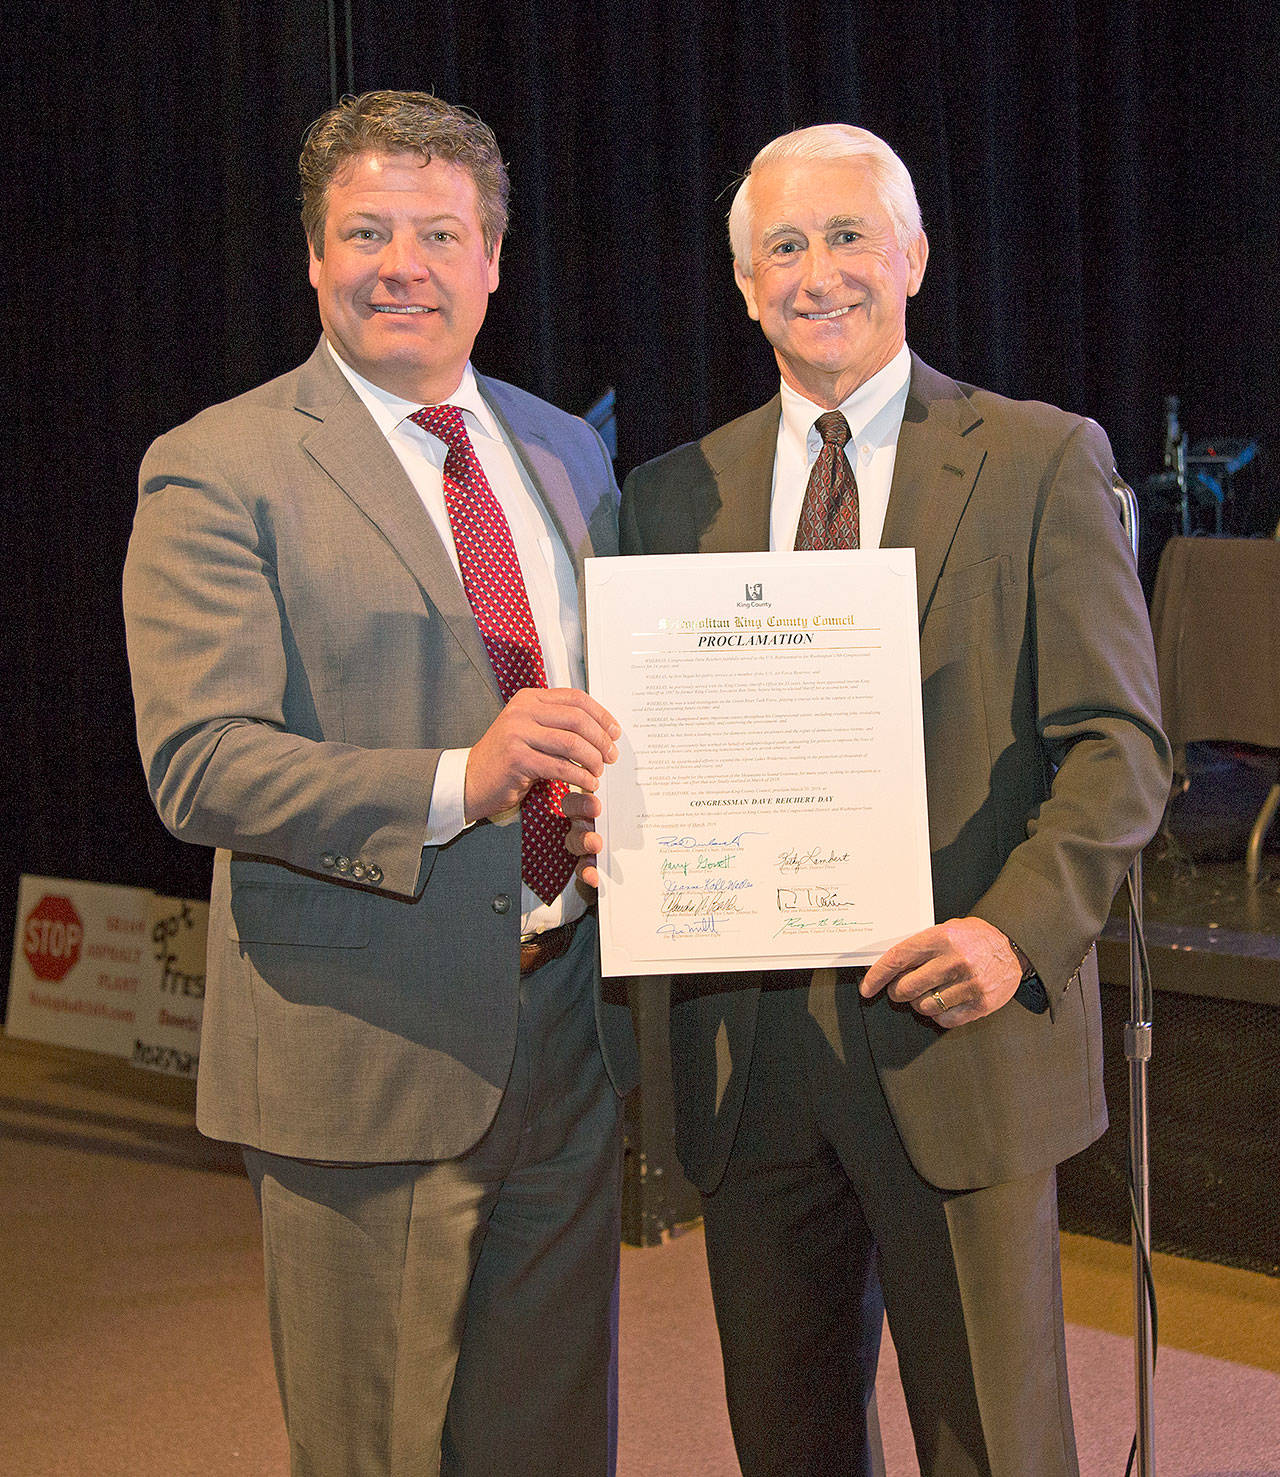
(395, 123)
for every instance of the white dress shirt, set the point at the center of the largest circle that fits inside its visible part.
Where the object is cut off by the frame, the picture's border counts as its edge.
(544, 564)
(874, 412)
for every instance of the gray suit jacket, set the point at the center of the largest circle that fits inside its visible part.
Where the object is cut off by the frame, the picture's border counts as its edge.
(302, 651)
(1047, 770)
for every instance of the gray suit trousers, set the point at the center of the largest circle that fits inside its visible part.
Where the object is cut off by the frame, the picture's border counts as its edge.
(457, 1316)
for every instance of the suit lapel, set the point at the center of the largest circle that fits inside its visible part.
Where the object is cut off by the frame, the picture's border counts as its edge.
(740, 457)
(937, 466)
(546, 470)
(935, 471)
(348, 446)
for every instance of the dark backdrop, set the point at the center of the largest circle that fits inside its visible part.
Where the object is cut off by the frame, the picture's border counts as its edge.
(1098, 182)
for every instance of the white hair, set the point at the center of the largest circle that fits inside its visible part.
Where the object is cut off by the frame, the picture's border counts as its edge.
(831, 141)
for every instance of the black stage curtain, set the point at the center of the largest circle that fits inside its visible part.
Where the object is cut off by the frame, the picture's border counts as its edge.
(1098, 182)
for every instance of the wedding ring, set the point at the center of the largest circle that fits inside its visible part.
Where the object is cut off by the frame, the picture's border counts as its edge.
(942, 1004)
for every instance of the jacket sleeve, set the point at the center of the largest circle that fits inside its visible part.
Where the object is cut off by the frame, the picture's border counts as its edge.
(1097, 718)
(231, 724)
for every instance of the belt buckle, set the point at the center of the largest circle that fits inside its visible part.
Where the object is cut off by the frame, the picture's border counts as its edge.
(542, 948)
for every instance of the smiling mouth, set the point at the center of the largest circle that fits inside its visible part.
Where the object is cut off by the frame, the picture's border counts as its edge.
(408, 309)
(822, 317)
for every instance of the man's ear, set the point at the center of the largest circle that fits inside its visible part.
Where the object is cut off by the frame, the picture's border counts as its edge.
(493, 264)
(917, 259)
(747, 287)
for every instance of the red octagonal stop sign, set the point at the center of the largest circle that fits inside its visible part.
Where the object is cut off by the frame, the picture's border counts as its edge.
(51, 937)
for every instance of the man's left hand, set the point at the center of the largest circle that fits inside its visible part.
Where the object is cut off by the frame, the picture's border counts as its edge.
(583, 840)
(952, 973)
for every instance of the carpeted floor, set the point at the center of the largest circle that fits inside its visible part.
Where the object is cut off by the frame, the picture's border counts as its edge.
(1217, 1385)
(133, 1340)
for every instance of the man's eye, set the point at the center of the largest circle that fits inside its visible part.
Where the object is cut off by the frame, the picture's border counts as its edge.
(363, 233)
(786, 248)
(847, 238)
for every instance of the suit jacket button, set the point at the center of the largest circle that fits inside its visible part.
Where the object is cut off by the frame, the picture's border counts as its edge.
(328, 859)
(373, 872)
(342, 863)
(501, 904)
(357, 870)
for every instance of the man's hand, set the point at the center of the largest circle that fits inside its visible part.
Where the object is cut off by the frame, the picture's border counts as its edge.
(543, 733)
(952, 973)
(583, 839)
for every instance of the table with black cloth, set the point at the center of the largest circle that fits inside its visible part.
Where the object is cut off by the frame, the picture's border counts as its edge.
(1215, 616)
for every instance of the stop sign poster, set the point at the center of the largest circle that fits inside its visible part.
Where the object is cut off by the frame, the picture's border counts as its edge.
(111, 969)
(80, 963)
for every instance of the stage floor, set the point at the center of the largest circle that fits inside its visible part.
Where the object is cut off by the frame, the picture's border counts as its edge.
(1209, 930)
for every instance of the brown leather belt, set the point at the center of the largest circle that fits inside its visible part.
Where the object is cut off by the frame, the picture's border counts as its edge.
(542, 948)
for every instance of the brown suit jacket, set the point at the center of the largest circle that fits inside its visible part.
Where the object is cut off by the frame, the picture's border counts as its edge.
(1047, 769)
(302, 650)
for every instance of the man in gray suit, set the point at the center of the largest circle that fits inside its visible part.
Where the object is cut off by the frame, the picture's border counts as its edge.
(351, 599)
(894, 1132)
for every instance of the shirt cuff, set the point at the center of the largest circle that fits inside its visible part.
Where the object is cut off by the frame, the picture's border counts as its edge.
(447, 816)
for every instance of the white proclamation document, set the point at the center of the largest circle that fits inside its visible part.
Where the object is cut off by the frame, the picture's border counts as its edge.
(767, 808)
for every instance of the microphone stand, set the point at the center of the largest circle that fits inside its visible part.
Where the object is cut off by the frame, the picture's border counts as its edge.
(1137, 1050)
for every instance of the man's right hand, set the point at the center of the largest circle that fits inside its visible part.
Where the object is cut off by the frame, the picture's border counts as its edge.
(543, 733)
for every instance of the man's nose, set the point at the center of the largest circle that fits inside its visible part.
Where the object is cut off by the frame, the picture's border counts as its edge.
(820, 270)
(403, 259)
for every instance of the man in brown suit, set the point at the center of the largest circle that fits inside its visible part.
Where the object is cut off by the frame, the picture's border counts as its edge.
(895, 1131)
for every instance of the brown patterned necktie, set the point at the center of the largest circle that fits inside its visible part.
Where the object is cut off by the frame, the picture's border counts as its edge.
(829, 514)
(495, 587)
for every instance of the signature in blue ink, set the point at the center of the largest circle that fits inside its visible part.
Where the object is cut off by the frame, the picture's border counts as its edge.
(684, 843)
(680, 930)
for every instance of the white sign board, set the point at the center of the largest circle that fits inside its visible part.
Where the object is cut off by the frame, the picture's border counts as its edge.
(168, 1036)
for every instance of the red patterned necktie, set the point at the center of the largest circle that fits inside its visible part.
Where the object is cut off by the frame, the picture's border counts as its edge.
(495, 587)
(829, 514)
